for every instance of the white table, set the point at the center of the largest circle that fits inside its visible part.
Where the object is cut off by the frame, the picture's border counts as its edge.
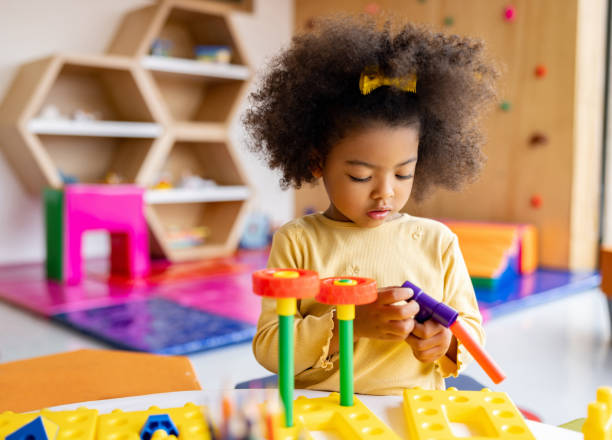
(387, 408)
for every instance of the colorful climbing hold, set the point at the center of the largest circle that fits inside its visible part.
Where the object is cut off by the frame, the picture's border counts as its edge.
(536, 201)
(509, 13)
(541, 71)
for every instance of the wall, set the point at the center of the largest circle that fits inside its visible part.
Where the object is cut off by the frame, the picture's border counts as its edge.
(33, 29)
(566, 106)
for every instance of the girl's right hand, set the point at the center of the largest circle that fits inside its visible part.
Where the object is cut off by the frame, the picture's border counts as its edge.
(391, 316)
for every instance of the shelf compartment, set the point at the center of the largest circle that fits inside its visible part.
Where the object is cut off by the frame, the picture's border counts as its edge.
(201, 99)
(210, 160)
(102, 155)
(111, 87)
(110, 91)
(222, 220)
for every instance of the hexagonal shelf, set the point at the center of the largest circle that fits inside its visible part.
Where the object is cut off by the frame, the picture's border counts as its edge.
(217, 210)
(115, 131)
(152, 112)
(194, 91)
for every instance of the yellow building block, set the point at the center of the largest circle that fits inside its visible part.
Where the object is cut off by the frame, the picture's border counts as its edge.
(355, 422)
(31, 430)
(73, 425)
(598, 424)
(434, 415)
(119, 425)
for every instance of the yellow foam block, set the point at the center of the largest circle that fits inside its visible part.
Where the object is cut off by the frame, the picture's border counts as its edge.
(189, 420)
(73, 425)
(488, 415)
(355, 422)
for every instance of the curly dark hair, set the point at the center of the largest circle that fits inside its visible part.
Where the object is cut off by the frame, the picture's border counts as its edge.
(310, 98)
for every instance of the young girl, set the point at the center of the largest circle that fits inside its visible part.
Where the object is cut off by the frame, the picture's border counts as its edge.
(380, 116)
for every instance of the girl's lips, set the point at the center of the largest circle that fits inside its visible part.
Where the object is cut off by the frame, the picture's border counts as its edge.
(378, 215)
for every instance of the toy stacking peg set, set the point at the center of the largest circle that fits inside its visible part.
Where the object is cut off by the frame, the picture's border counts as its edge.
(341, 412)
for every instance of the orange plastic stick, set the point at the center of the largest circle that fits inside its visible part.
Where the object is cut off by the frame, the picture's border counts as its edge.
(484, 360)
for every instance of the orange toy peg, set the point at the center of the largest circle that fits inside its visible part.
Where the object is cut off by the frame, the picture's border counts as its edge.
(484, 360)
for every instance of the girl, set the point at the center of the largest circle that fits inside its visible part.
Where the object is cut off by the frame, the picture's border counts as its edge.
(379, 116)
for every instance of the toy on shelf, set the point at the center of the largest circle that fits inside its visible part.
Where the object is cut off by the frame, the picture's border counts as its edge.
(181, 238)
(429, 308)
(161, 47)
(118, 209)
(257, 232)
(286, 286)
(598, 424)
(213, 54)
(430, 415)
(345, 294)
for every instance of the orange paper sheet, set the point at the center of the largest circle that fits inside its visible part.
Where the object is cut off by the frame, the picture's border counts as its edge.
(84, 375)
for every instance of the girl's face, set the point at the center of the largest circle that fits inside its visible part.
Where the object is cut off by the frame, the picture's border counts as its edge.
(368, 174)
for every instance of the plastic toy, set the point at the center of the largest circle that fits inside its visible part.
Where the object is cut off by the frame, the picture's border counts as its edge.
(189, 421)
(118, 209)
(215, 54)
(286, 285)
(161, 47)
(38, 429)
(81, 423)
(158, 422)
(345, 294)
(355, 422)
(447, 316)
(488, 415)
(598, 424)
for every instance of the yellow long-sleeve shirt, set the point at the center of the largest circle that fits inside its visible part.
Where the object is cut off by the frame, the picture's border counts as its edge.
(420, 250)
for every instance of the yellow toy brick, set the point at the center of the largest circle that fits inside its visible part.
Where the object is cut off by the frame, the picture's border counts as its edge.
(119, 425)
(489, 415)
(79, 424)
(598, 424)
(39, 428)
(355, 422)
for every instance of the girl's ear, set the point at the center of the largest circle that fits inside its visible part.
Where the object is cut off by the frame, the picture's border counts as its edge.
(317, 172)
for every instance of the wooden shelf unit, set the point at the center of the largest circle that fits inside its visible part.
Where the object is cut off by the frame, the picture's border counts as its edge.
(152, 114)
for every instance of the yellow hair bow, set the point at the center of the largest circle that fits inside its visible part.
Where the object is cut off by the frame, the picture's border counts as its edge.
(372, 78)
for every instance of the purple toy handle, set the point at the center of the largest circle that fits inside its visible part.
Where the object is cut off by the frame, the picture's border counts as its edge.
(429, 308)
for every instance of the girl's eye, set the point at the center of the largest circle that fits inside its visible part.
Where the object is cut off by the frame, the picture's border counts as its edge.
(407, 177)
(357, 179)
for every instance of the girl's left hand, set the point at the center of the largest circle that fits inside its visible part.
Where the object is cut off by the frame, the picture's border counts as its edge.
(429, 341)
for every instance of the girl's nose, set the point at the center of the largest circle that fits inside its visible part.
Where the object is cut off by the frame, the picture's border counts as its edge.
(383, 190)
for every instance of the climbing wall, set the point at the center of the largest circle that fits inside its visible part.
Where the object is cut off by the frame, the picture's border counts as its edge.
(544, 134)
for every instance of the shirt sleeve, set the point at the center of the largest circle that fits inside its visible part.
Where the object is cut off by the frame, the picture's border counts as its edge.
(312, 333)
(459, 294)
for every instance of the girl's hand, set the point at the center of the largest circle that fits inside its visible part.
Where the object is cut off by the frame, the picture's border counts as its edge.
(385, 320)
(430, 341)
